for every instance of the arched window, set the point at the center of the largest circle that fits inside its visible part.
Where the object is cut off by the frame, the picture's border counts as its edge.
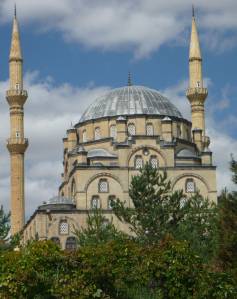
(103, 186)
(111, 198)
(84, 138)
(71, 244)
(131, 130)
(154, 162)
(190, 186)
(113, 131)
(149, 129)
(138, 162)
(73, 190)
(95, 202)
(97, 133)
(56, 240)
(63, 227)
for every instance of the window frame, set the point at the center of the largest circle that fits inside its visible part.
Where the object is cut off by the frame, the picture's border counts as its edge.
(190, 180)
(157, 161)
(99, 185)
(98, 202)
(97, 133)
(60, 229)
(128, 129)
(152, 128)
(135, 161)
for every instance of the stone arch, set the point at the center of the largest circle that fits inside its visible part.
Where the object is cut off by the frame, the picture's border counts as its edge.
(138, 148)
(102, 174)
(186, 175)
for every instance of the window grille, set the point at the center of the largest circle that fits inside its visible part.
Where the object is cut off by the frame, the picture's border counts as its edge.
(110, 200)
(95, 202)
(131, 130)
(71, 244)
(103, 185)
(97, 133)
(149, 130)
(84, 138)
(63, 227)
(190, 186)
(138, 162)
(113, 131)
(154, 162)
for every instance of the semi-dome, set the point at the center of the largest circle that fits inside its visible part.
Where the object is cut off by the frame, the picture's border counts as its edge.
(130, 100)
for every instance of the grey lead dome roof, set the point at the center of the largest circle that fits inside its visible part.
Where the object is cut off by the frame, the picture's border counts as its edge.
(130, 100)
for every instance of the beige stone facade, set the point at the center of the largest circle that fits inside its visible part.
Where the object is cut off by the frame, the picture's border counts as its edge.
(114, 138)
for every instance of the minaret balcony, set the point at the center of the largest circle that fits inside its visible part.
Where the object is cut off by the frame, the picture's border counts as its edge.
(16, 92)
(16, 96)
(17, 145)
(197, 90)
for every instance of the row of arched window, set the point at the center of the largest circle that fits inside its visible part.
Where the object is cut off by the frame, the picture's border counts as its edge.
(96, 202)
(70, 244)
(113, 131)
(139, 163)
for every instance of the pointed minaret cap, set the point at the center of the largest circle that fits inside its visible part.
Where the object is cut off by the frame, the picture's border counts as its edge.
(194, 51)
(15, 52)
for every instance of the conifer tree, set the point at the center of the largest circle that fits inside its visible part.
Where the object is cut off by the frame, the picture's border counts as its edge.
(158, 211)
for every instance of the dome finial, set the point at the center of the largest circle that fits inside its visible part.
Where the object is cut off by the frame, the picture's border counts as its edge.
(129, 79)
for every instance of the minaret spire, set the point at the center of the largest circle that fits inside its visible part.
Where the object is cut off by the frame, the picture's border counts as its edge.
(15, 10)
(196, 93)
(17, 143)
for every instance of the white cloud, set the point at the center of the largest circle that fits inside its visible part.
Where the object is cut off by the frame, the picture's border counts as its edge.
(49, 112)
(142, 26)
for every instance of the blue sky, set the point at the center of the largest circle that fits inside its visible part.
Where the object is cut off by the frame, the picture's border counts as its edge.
(76, 50)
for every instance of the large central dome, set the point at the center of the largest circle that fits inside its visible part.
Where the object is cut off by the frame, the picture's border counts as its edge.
(130, 100)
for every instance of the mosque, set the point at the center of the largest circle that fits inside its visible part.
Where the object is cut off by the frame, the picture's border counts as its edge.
(115, 136)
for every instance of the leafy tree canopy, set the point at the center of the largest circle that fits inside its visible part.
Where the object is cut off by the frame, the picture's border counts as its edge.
(158, 211)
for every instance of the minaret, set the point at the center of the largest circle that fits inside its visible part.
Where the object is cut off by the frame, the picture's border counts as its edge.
(16, 144)
(196, 93)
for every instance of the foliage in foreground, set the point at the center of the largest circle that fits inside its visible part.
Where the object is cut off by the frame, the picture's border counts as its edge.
(158, 211)
(111, 270)
(98, 230)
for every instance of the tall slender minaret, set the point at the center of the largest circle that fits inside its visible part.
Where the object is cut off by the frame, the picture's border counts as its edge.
(16, 144)
(196, 93)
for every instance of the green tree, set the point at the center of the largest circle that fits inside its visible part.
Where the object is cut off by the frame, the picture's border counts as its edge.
(98, 230)
(158, 211)
(4, 227)
(228, 223)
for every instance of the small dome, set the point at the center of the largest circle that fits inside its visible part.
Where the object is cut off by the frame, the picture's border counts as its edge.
(58, 203)
(130, 100)
(59, 200)
(186, 153)
(100, 153)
